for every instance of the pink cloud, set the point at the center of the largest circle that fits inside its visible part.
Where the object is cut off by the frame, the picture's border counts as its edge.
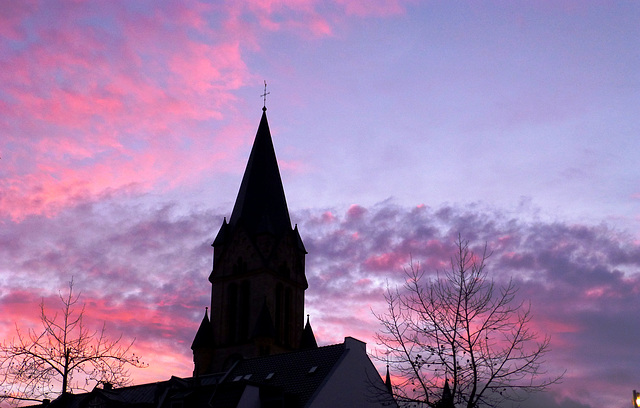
(327, 217)
(307, 18)
(320, 28)
(373, 8)
(274, 15)
(91, 113)
(98, 108)
(201, 67)
(11, 14)
(355, 212)
(387, 262)
(19, 305)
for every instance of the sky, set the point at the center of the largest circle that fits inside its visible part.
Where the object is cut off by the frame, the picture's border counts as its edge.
(125, 128)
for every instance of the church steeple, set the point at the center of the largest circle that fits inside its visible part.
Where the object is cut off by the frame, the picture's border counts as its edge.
(258, 266)
(387, 382)
(261, 205)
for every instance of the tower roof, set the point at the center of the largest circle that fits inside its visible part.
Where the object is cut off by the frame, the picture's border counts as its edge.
(308, 340)
(204, 335)
(261, 205)
(387, 381)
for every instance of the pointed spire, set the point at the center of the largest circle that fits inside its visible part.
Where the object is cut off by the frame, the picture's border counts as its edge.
(387, 381)
(204, 335)
(261, 205)
(221, 238)
(446, 392)
(308, 340)
(447, 397)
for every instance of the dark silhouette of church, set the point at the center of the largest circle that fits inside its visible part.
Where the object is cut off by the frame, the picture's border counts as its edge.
(258, 278)
(255, 350)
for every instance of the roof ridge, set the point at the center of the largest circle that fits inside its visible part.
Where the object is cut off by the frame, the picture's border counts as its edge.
(314, 350)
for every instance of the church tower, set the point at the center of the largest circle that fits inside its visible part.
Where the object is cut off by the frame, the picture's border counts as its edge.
(258, 278)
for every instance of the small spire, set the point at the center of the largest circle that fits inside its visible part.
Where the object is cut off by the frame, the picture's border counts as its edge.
(264, 97)
(387, 382)
(308, 340)
(204, 335)
(221, 238)
(447, 396)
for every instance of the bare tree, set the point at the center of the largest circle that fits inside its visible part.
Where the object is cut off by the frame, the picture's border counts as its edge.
(458, 339)
(64, 357)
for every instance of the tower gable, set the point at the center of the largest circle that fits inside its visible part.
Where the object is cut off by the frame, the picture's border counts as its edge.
(244, 254)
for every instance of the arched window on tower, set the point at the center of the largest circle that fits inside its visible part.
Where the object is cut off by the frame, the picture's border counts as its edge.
(245, 303)
(240, 266)
(232, 313)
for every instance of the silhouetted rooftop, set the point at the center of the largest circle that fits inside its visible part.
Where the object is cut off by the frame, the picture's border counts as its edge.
(299, 372)
(293, 376)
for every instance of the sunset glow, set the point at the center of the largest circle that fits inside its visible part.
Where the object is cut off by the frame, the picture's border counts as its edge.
(125, 128)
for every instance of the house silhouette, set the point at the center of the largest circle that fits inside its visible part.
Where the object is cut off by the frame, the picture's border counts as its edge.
(255, 350)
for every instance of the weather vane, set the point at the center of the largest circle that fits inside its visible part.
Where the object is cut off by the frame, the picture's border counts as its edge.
(264, 96)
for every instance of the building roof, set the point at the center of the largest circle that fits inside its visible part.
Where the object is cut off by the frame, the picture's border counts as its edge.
(144, 395)
(299, 373)
(292, 380)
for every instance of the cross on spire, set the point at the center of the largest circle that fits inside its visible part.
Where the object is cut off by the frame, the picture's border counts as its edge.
(264, 96)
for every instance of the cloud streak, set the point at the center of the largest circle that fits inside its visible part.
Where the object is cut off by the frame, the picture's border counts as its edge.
(88, 108)
(100, 97)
